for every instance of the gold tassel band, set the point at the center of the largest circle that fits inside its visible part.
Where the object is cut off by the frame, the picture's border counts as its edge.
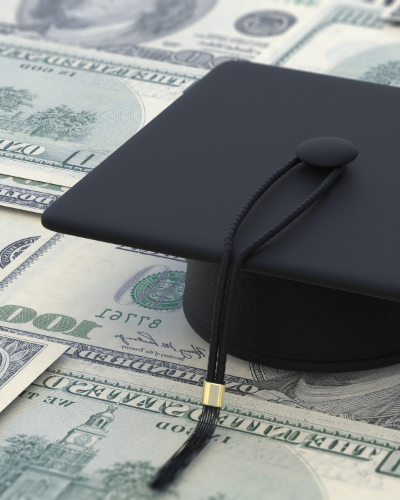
(213, 394)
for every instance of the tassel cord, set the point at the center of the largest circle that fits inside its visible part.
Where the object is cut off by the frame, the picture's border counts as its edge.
(198, 440)
(207, 423)
(249, 250)
(229, 271)
(226, 262)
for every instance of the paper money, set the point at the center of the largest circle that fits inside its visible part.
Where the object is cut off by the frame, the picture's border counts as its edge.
(104, 302)
(201, 33)
(348, 41)
(63, 110)
(18, 232)
(91, 427)
(25, 194)
(95, 433)
(21, 361)
(112, 302)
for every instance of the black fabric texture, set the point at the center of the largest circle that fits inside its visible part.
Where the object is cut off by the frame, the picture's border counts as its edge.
(297, 326)
(219, 141)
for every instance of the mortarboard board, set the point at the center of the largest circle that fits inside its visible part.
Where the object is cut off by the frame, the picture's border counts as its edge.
(322, 294)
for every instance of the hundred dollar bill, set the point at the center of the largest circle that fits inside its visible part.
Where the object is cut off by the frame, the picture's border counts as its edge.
(348, 41)
(82, 431)
(121, 307)
(25, 194)
(63, 110)
(117, 306)
(21, 361)
(19, 231)
(201, 33)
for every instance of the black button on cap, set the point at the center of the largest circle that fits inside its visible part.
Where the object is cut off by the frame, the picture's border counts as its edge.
(327, 152)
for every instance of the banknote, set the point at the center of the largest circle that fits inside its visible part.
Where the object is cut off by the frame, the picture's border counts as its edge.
(121, 307)
(81, 431)
(18, 232)
(201, 33)
(22, 360)
(116, 306)
(63, 110)
(29, 195)
(347, 41)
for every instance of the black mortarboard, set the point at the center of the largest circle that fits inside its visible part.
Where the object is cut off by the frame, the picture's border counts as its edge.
(323, 294)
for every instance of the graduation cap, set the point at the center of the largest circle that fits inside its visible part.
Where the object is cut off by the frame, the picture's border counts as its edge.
(306, 275)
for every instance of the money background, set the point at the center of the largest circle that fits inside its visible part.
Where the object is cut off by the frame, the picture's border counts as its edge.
(200, 33)
(74, 72)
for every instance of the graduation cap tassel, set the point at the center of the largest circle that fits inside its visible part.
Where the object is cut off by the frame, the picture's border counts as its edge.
(214, 388)
(250, 249)
(181, 459)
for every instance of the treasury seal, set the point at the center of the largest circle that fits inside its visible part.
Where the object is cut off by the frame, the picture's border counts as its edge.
(154, 287)
(265, 23)
(160, 291)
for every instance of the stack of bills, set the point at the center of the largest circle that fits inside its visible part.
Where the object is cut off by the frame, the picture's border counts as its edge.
(78, 78)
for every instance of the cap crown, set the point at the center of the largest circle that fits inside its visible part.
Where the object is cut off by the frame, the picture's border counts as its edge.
(176, 185)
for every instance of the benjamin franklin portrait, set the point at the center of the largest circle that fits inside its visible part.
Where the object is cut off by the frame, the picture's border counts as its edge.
(371, 396)
(95, 23)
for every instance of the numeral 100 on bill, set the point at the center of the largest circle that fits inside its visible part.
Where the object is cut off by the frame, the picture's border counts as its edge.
(50, 322)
